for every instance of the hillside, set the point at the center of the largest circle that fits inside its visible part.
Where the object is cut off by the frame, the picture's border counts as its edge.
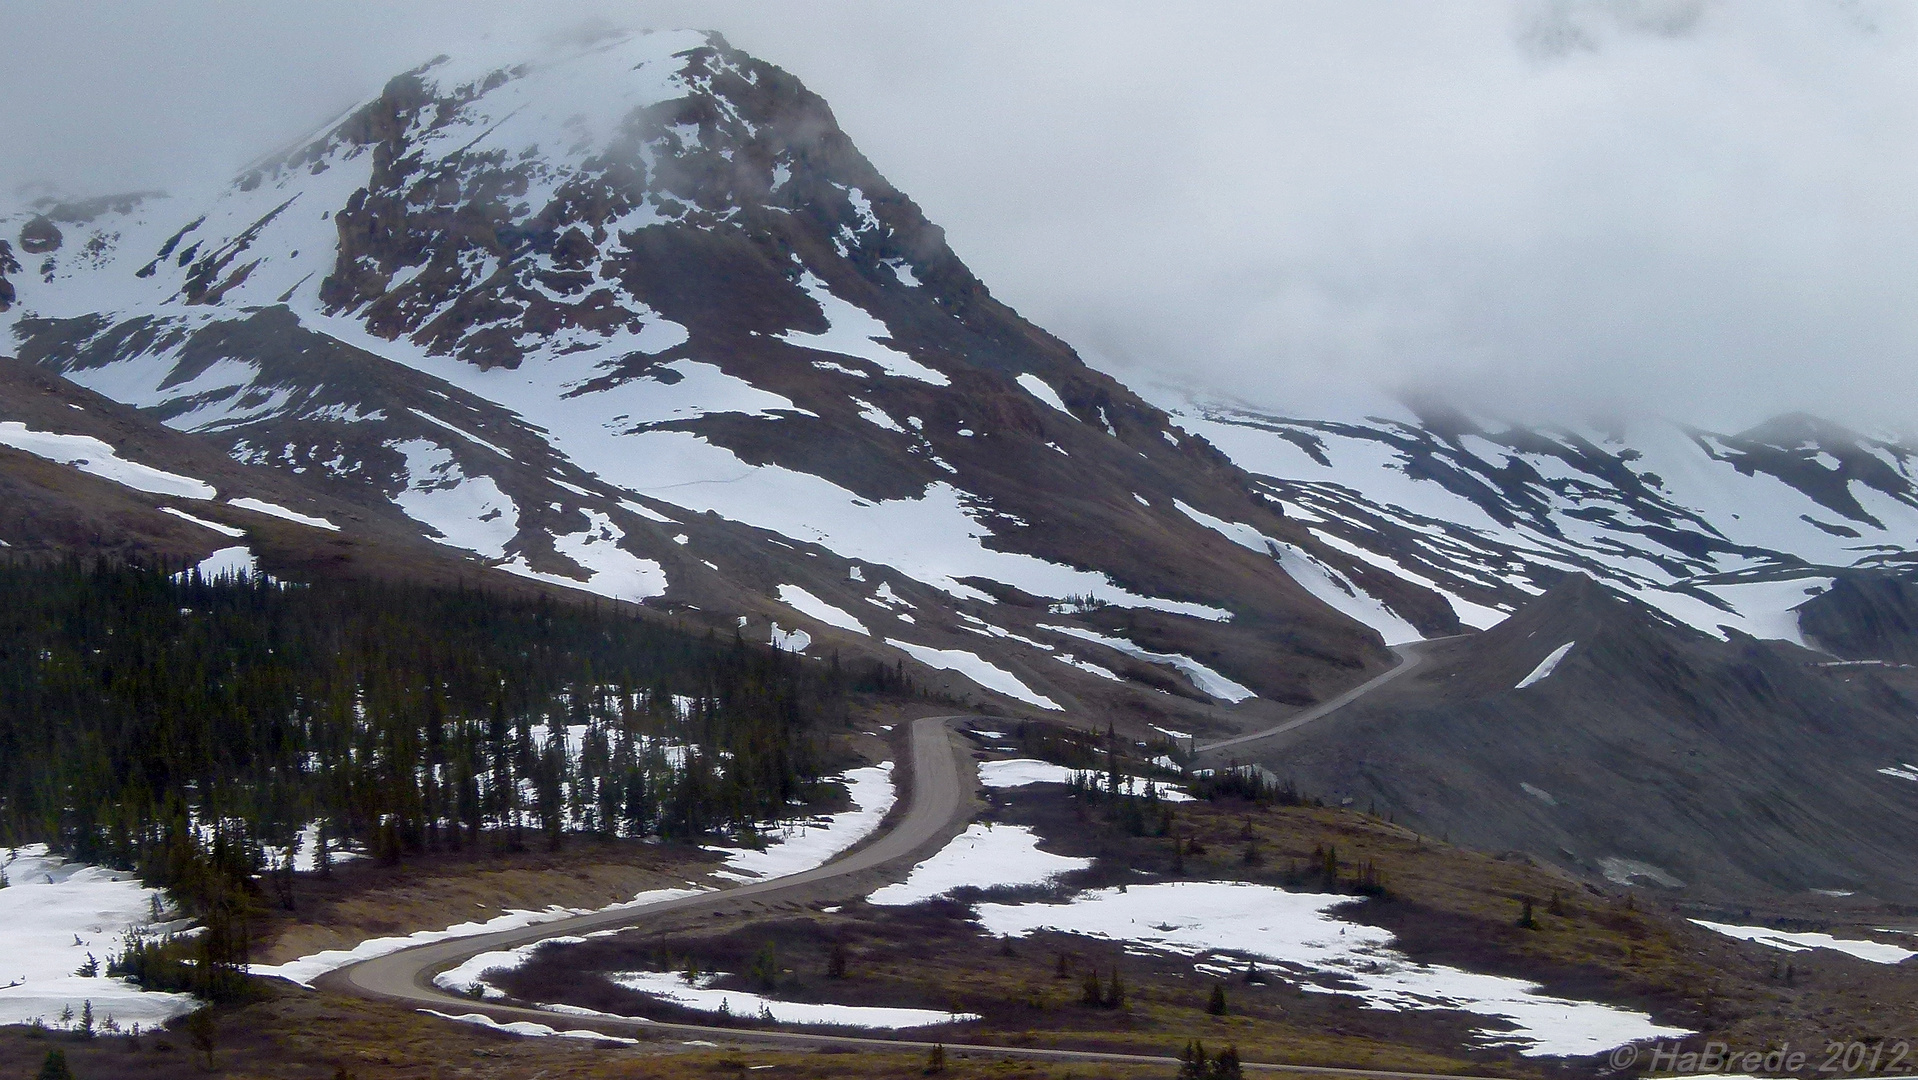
(638, 319)
(1597, 733)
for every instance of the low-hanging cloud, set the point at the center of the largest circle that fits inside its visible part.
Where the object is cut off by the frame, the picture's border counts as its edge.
(1558, 207)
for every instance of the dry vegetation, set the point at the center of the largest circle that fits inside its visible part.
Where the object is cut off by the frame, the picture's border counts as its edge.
(1445, 905)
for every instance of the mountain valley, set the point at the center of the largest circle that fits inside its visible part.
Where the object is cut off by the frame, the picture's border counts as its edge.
(626, 356)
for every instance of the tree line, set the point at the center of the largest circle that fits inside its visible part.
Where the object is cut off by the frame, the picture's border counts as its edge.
(200, 731)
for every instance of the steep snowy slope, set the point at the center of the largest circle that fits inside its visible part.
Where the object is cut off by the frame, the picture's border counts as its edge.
(1719, 531)
(82, 474)
(638, 319)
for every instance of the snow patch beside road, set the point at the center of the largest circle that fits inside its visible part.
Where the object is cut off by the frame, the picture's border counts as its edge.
(803, 845)
(983, 857)
(740, 1003)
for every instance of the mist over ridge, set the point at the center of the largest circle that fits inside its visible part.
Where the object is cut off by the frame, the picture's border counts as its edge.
(1543, 209)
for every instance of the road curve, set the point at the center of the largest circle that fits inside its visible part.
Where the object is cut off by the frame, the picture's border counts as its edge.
(941, 804)
(1410, 657)
(943, 781)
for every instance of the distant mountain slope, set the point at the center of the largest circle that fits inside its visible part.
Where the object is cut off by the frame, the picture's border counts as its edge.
(1714, 529)
(640, 320)
(1592, 730)
(81, 474)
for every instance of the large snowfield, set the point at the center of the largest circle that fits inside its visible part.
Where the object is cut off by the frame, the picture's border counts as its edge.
(1300, 934)
(55, 916)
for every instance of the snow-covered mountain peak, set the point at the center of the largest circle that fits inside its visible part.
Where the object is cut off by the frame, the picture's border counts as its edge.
(638, 318)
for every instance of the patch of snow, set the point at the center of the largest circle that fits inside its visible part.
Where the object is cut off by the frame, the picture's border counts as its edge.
(96, 458)
(1335, 589)
(1089, 666)
(53, 915)
(1620, 871)
(1546, 666)
(674, 988)
(1299, 931)
(308, 968)
(223, 530)
(261, 506)
(802, 845)
(983, 857)
(1876, 952)
(809, 605)
(467, 512)
(1207, 680)
(229, 562)
(797, 641)
(528, 1028)
(470, 976)
(1043, 390)
(306, 850)
(1019, 772)
(873, 414)
(854, 331)
(611, 570)
(974, 667)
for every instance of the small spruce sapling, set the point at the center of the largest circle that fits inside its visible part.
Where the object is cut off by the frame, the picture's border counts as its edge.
(1192, 1061)
(203, 1034)
(55, 1067)
(1215, 1005)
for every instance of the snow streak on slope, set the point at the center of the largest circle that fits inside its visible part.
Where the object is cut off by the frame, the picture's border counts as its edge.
(854, 332)
(1207, 680)
(90, 455)
(1546, 666)
(807, 604)
(975, 668)
(1320, 580)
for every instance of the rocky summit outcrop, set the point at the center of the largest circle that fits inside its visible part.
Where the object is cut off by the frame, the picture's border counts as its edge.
(638, 319)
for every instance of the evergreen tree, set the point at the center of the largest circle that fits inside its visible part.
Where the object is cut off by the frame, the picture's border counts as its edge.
(1215, 1005)
(54, 1067)
(1192, 1061)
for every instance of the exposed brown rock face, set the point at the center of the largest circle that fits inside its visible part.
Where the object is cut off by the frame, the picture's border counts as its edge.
(39, 236)
(8, 265)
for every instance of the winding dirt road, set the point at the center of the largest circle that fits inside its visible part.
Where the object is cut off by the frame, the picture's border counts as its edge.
(943, 782)
(1411, 656)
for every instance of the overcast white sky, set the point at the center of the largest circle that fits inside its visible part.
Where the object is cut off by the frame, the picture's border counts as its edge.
(1700, 208)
